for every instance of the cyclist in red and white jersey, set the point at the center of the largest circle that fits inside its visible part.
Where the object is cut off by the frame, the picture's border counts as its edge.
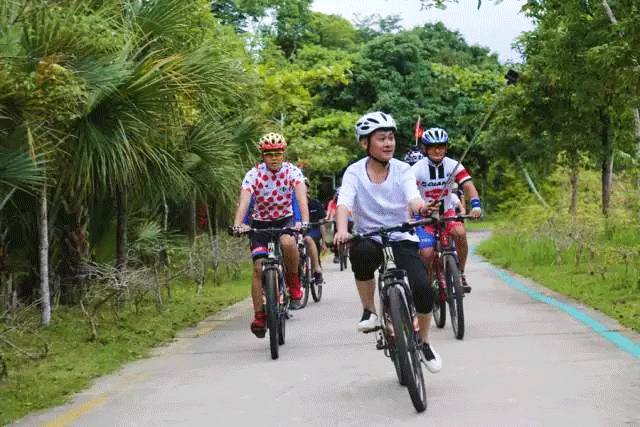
(272, 183)
(432, 175)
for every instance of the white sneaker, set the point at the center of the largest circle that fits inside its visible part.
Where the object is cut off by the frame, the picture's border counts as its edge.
(368, 322)
(431, 358)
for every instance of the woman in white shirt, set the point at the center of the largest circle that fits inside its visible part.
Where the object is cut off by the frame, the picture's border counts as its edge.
(381, 191)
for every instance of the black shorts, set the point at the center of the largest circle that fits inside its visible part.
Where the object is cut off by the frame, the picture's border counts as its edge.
(366, 256)
(260, 241)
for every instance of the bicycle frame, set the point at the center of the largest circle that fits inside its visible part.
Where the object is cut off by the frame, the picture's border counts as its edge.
(387, 278)
(444, 246)
(275, 262)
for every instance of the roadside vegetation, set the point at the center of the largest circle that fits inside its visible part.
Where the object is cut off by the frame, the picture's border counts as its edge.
(587, 257)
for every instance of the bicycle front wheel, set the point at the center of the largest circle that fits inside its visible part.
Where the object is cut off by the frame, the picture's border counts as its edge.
(343, 259)
(316, 290)
(273, 319)
(455, 295)
(406, 346)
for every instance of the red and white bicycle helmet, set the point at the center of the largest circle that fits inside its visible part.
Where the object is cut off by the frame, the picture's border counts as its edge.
(272, 142)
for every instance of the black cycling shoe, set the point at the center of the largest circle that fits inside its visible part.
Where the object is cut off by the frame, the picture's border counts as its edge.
(465, 286)
(317, 276)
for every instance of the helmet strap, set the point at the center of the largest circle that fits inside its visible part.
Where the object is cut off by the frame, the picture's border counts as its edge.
(384, 163)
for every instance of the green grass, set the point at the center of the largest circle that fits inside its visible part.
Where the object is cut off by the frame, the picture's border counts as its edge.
(613, 289)
(486, 223)
(74, 360)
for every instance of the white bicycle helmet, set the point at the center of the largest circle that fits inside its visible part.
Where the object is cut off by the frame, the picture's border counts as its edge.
(373, 121)
(434, 136)
(413, 156)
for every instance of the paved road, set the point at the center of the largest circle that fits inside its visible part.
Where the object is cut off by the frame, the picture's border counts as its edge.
(522, 363)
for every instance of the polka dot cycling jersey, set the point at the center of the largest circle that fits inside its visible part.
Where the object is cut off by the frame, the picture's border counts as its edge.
(431, 180)
(272, 191)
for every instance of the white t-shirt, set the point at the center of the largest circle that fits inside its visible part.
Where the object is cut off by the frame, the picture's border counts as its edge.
(379, 205)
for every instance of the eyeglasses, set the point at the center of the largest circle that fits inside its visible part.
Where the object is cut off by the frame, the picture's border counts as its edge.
(274, 154)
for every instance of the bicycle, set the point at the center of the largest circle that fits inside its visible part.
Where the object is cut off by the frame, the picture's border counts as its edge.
(343, 255)
(398, 333)
(276, 296)
(446, 281)
(305, 271)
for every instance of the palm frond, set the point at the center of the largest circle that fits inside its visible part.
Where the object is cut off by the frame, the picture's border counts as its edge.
(18, 170)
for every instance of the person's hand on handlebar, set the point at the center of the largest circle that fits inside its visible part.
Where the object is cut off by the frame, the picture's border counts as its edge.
(476, 208)
(427, 210)
(340, 238)
(241, 228)
(301, 226)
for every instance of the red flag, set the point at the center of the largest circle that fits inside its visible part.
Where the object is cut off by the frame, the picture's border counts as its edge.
(418, 129)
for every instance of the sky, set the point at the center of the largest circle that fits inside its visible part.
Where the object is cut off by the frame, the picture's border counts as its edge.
(493, 26)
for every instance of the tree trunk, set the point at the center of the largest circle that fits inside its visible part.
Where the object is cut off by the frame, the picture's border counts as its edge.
(636, 111)
(609, 12)
(121, 229)
(607, 163)
(573, 180)
(213, 240)
(531, 184)
(193, 223)
(165, 213)
(44, 258)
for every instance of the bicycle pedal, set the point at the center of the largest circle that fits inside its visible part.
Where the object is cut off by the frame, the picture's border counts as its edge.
(368, 331)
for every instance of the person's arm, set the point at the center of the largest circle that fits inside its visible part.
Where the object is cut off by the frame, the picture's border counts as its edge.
(243, 205)
(342, 215)
(411, 192)
(246, 218)
(464, 181)
(471, 193)
(345, 203)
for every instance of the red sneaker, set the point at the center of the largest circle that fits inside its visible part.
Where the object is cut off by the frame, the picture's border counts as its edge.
(259, 324)
(295, 288)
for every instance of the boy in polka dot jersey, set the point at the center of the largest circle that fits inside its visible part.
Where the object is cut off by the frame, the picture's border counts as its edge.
(272, 185)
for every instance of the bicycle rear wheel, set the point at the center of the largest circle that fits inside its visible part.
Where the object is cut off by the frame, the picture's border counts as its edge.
(407, 351)
(273, 318)
(316, 290)
(455, 295)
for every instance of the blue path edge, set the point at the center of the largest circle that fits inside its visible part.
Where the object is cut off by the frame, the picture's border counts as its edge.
(616, 338)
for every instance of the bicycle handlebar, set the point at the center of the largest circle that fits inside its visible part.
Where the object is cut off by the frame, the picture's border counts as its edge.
(409, 225)
(273, 231)
(405, 226)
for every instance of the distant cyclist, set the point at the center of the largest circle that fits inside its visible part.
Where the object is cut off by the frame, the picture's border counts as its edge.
(313, 237)
(273, 184)
(413, 156)
(432, 174)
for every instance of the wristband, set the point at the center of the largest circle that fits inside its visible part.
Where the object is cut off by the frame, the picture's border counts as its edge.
(475, 203)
